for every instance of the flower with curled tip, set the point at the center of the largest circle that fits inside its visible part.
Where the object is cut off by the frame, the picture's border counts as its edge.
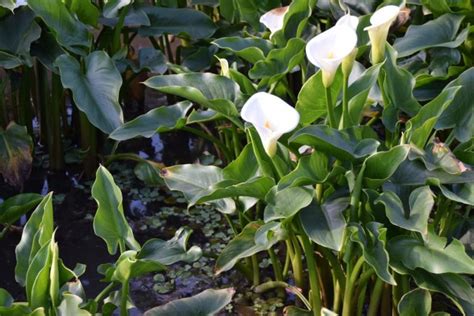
(380, 22)
(352, 22)
(271, 116)
(274, 19)
(328, 49)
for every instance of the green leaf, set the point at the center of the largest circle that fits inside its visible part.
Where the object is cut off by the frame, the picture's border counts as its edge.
(6, 300)
(398, 87)
(13, 208)
(16, 147)
(310, 170)
(454, 286)
(208, 302)
(70, 306)
(372, 241)
(109, 221)
(17, 32)
(9, 4)
(159, 120)
(432, 255)
(440, 32)
(250, 49)
(420, 127)
(461, 193)
(416, 217)
(181, 22)
(210, 90)
(416, 302)
(95, 91)
(349, 144)
(279, 61)
(460, 116)
(196, 182)
(87, 12)
(325, 224)
(283, 204)
(38, 281)
(359, 90)
(244, 167)
(170, 251)
(295, 21)
(149, 172)
(69, 31)
(37, 232)
(381, 165)
(128, 266)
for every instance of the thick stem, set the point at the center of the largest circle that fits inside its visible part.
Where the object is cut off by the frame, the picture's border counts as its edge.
(255, 271)
(355, 197)
(330, 109)
(350, 285)
(345, 118)
(375, 298)
(124, 299)
(313, 275)
(297, 263)
(102, 295)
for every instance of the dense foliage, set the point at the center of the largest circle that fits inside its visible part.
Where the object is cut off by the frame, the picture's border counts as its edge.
(345, 128)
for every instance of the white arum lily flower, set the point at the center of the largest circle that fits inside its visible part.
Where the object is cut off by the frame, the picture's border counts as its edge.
(328, 49)
(380, 22)
(20, 3)
(352, 22)
(274, 19)
(271, 116)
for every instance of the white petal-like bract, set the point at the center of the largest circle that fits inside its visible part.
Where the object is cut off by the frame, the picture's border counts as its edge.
(274, 19)
(271, 116)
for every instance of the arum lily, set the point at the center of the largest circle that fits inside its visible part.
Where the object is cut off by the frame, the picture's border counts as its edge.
(378, 30)
(274, 19)
(328, 49)
(20, 3)
(352, 22)
(271, 116)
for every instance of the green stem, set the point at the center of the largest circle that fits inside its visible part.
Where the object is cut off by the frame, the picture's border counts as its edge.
(297, 262)
(3, 109)
(286, 266)
(116, 40)
(88, 144)
(276, 265)
(102, 295)
(375, 298)
(56, 156)
(313, 275)
(345, 118)
(124, 299)
(168, 49)
(355, 196)
(25, 109)
(231, 224)
(330, 109)
(361, 299)
(350, 285)
(256, 271)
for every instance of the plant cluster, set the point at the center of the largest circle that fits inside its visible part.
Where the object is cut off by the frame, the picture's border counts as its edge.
(345, 128)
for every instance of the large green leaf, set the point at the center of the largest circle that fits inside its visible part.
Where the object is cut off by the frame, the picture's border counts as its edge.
(416, 302)
(325, 224)
(69, 31)
(381, 166)
(17, 32)
(86, 11)
(16, 147)
(440, 32)
(461, 193)
(213, 91)
(460, 115)
(109, 220)
(159, 120)
(196, 182)
(208, 302)
(420, 127)
(310, 170)
(312, 98)
(37, 232)
(249, 49)
(432, 255)
(415, 218)
(452, 285)
(128, 266)
(38, 282)
(279, 61)
(95, 90)
(170, 251)
(398, 87)
(283, 204)
(294, 21)
(349, 144)
(181, 22)
(372, 241)
(242, 246)
(13, 208)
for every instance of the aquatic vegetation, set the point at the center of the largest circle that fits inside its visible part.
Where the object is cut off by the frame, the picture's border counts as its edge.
(330, 169)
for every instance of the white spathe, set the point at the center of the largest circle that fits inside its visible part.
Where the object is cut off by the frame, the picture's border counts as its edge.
(271, 116)
(20, 3)
(349, 20)
(328, 49)
(380, 22)
(274, 19)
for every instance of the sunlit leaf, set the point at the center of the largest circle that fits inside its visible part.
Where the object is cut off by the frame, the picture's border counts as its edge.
(70, 306)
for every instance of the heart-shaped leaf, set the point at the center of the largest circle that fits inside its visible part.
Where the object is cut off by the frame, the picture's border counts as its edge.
(283, 204)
